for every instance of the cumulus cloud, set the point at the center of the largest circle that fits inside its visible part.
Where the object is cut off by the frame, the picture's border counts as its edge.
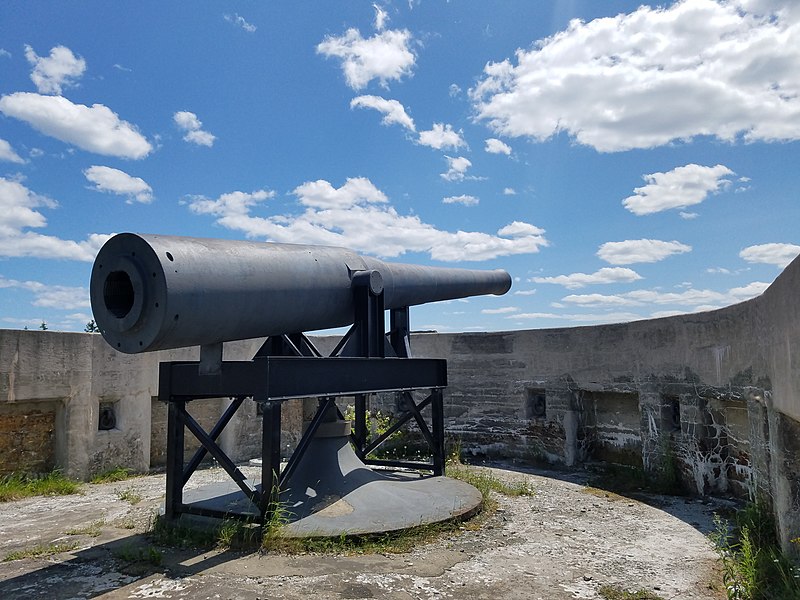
(629, 252)
(96, 129)
(52, 72)
(18, 214)
(495, 146)
(654, 76)
(601, 276)
(7, 153)
(679, 188)
(385, 56)
(509, 191)
(393, 111)
(464, 199)
(51, 296)
(779, 255)
(442, 136)
(456, 168)
(193, 128)
(240, 21)
(106, 179)
(358, 215)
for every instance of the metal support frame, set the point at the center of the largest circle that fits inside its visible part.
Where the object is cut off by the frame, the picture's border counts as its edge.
(290, 366)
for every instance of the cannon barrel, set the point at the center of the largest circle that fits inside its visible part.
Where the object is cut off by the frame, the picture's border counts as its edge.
(154, 292)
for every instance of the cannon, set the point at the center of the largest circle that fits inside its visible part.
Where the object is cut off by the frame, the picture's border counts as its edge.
(154, 292)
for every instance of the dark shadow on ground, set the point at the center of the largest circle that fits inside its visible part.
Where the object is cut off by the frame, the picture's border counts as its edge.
(106, 567)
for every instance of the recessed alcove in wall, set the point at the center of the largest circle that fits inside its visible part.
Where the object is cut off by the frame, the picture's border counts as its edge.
(613, 426)
(535, 404)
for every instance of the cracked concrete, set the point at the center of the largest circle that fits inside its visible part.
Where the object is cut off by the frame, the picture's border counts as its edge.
(562, 543)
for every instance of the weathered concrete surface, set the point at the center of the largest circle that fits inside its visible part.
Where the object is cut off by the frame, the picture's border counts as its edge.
(712, 398)
(67, 377)
(562, 543)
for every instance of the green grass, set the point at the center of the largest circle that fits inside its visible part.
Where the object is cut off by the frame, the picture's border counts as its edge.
(138, 554)
(753, 566)
(406, 539)
(129, 495)
(610, 592)
(18, 485)
(112, 475)
(92, 530)
(39, 551)
(163, 533)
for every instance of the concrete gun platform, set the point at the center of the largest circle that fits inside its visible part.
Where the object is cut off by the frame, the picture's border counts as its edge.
(562, 543)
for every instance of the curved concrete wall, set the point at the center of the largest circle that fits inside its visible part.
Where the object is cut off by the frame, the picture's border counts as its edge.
(717, 391)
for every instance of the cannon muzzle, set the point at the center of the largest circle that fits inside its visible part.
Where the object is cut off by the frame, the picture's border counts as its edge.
(154, 292)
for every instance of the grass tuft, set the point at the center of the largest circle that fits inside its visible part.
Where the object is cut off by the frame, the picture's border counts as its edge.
(753, 565)
(92, 530)
(610, 592)
(39, 551)
(129, 495)
(18, 485)
(112, 475)
(138, 554)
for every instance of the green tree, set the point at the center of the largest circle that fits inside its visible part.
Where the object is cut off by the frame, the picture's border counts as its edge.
(43, 326)
(91, 327)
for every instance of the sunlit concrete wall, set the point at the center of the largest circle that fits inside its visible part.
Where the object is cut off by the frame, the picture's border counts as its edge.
(713, 396)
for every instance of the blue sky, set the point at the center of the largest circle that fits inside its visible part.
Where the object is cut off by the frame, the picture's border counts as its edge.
(620, 161)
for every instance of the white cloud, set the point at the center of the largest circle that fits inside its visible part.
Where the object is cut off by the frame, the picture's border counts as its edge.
(385, 56)
(688, 216)
(51, 296)
(5, 53)
(381, 18)
(456, 168)
(358, 215)
(696, 299)
(18, 213)
(639, 251)
(454, 90)
(119, 182)
(779, 255)
(7, 153)
(193, 127)
(500, 311)
(525, 292)
(240, 21)
(495, 146)
(654, 76)
(520, 229)
(509, 191)
(59, 69)
(580, 318)
(442, 136)
(96, 128)
(393, 111)
(679, 188)
(601, 276)
(463, 199)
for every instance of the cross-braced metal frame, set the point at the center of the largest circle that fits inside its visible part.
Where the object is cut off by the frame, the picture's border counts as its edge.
(367, 360)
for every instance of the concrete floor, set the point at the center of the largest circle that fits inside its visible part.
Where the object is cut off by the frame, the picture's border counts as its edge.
(564, 542)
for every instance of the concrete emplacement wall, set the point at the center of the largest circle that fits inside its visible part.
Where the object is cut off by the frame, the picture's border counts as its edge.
(714, 396)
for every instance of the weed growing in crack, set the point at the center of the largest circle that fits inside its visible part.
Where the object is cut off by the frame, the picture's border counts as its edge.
(753, 566)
